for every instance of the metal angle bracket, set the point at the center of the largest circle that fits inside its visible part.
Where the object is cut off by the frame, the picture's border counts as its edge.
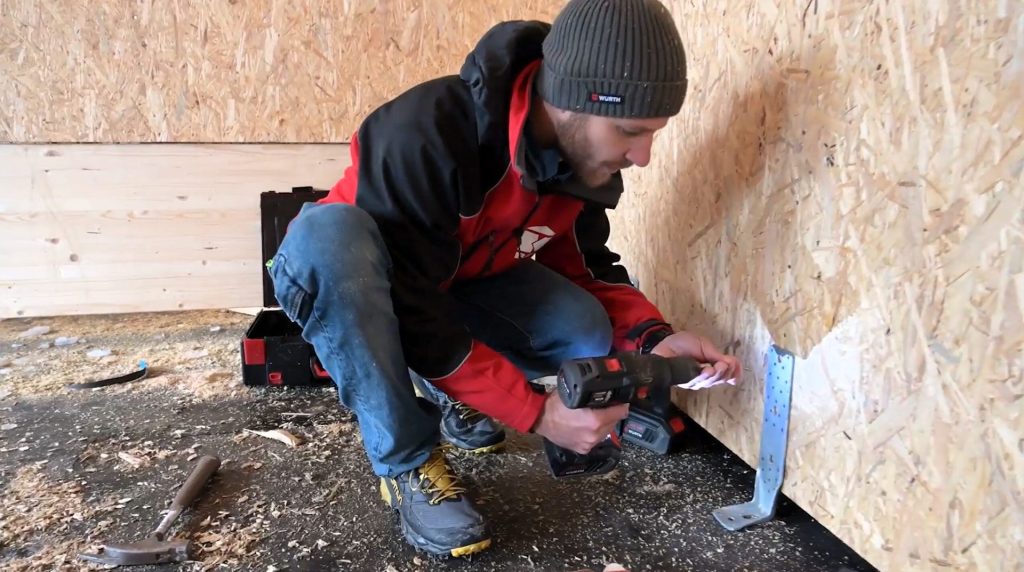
(778, 390)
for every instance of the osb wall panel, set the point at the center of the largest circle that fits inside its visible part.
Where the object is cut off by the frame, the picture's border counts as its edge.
(845, 180)
(89, 229)
(222, 70)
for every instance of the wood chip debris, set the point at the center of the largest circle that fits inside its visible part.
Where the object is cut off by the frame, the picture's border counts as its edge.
(278, 435)
(132, 460)
(335, 429)
(37, 511)
(296, 414)
(34, 331)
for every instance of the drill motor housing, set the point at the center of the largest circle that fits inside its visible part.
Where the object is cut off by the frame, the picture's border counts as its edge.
(606, 381)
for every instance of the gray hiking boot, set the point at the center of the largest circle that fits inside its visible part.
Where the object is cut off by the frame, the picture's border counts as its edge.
(461, 425)
(470, 430)
(437, 515)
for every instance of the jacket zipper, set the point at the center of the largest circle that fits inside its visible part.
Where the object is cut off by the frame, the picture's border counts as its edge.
(468, 254)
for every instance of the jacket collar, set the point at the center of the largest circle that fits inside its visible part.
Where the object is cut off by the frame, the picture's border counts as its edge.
(543, 170)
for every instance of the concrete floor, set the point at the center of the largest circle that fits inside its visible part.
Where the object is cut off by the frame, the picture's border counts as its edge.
(79, 468)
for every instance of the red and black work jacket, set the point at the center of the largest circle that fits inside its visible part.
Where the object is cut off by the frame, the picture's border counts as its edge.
(442, 169)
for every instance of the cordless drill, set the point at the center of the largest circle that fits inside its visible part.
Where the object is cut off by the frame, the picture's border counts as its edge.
(643, 381)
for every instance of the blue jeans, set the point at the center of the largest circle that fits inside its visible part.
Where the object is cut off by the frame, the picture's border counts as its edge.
(332, 276)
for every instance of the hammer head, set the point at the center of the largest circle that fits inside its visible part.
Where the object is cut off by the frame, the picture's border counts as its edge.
(148, 551)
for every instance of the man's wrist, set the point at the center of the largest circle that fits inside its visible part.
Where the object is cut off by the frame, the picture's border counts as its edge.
(652, 337)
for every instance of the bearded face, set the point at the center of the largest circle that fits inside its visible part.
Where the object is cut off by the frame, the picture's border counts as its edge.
(598, 147)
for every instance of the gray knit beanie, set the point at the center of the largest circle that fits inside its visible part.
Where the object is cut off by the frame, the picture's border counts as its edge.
(617, 58)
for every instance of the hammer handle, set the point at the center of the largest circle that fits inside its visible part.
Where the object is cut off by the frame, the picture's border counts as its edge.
(205, 468)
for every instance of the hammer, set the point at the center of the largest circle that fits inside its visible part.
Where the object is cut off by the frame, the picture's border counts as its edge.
(156, 549)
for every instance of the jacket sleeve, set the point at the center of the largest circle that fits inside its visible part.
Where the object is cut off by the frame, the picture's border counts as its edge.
(412, 192)
(583, 256)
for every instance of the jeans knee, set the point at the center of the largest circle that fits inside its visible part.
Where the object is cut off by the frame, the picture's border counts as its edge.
(335, 238)
(594, 338)
(582, 329)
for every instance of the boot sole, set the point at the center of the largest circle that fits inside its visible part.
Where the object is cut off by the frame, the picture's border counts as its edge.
(385, 493)
(420, 543)
(425, 545)
(464, 447)
(495, 448)
(472, 548)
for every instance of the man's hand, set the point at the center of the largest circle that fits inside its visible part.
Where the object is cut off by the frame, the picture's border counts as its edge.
(577, 429)
(718, 367)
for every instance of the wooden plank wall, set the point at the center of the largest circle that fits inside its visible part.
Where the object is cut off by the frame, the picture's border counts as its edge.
(90, 229)
(845, 180)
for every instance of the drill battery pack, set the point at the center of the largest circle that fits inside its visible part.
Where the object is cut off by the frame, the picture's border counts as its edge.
(273, 351)
(651, 430)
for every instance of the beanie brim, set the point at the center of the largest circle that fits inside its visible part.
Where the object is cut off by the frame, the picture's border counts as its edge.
(611, 98)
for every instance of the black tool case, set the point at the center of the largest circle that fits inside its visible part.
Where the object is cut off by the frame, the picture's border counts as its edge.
(273, 351)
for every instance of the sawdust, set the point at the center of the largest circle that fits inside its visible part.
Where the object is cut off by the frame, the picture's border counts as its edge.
(309, 507)
(229, 541)
(98, 455)
(335, 429)
(61, 556)
(36, 515)
(196, 353)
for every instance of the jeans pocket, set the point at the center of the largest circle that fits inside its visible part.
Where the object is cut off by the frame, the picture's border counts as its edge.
(294, 299)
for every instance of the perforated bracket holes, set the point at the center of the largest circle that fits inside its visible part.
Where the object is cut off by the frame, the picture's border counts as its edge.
(778, 389)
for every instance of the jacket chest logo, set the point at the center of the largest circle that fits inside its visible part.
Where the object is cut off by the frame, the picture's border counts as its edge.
(533, 239)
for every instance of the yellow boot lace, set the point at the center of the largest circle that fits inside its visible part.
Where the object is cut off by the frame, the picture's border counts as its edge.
(436, 478)
(466, 412)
